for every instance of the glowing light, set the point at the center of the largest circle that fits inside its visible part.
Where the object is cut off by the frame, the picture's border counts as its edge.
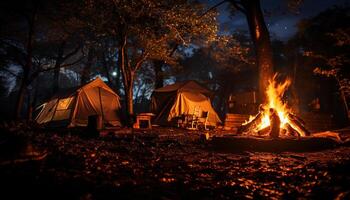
(274, 93)
(114, 74)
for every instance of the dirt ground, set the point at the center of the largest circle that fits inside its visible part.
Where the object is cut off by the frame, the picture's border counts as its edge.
(169, 164)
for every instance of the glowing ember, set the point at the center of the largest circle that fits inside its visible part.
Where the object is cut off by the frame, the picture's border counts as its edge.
(289, 123)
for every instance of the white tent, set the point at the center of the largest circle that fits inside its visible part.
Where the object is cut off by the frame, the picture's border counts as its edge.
(73, 108)
(171, 101)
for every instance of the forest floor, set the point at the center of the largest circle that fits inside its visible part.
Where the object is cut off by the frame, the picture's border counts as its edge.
(169, 164)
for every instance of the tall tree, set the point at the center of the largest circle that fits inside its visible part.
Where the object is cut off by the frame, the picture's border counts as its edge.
(260, 37)
(27, 34)
(261, 40)
(24, 16)
(325, 41)
(147, 30)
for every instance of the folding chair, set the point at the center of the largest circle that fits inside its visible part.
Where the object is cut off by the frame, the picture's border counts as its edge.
(194, 118)
(205, 116)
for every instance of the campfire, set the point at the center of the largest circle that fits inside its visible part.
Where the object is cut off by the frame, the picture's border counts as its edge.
(275, 118)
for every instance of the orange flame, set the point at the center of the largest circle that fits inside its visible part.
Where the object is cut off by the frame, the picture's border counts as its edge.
(274, 93)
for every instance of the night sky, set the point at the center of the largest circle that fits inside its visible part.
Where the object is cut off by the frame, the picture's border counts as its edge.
(280, 21)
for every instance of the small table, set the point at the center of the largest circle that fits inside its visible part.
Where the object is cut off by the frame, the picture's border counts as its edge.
(143, 117)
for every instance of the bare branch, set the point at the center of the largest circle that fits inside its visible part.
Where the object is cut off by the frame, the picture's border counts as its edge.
(140, 61)
(72, 53)
(10, 72)
(73, 63)
(213, 7)
(238, 6)
(18, 50)
(36, 73)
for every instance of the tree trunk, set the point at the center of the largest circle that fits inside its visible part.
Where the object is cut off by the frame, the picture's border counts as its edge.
(35, 97)
(56, 80)
(20, 98)
(26, 68)
(128, 79)
(58, 62)
(105, 67)
(129, 99)
(129, 103)
(30, 107)
(261, 39)
(85, 75)
(159, 82)
(293, 88)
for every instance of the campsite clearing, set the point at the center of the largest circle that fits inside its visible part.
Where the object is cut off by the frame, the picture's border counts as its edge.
(172, 164)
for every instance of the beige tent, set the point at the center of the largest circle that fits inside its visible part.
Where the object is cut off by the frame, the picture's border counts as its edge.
(73, 107)
(180, 98)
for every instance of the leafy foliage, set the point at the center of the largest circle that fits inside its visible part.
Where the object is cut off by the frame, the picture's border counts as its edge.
(147, 30)
(328, 44)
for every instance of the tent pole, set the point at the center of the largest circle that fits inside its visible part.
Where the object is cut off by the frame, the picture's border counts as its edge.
(73, 109)
(99, 94)
(54, 112)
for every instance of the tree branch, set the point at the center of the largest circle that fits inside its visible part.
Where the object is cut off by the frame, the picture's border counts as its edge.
(36, 73)
(140, 61)
(71, 53)
(73, 63)
(10, 72)
(205, 13)
(177, 34)
(121, 60)
(173, 50)
(213, 7)
(18, 50)
(238, 6)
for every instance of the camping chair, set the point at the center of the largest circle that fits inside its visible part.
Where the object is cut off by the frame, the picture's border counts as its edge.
(193, 119)
(204, 119)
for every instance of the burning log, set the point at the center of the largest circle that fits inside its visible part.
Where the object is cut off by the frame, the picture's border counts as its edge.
(253, 123)
(291, 131)
(294, 127)
(294, 117)
(274, 129)
(264, 131)
(275, 123)
(298, 125)
(250, 125)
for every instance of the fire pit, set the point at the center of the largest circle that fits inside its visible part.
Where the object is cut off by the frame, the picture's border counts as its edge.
(275, 128)
(275, 119)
